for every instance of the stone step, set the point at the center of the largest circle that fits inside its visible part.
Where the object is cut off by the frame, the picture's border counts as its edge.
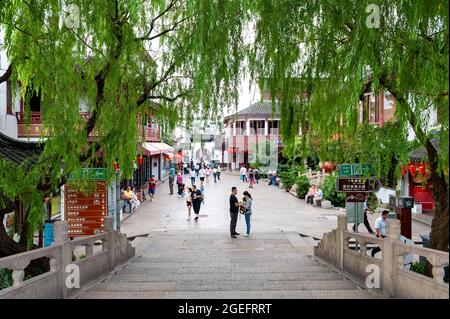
(298, 294)
(218, 277)
(214, 285)
(147, 269)
(228, 262)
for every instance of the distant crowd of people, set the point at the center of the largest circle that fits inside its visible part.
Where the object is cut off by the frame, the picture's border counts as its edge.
(250, 176)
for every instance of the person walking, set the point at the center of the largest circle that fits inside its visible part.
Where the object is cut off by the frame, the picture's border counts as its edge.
(189, 202)
(380, 228)
(248, 211)
(251, 178)
(207, 173)
(171, 180)
(197, 198)
(202, 174)
(219, 170)
(234, 211)
(256, 173)
(193, 175)
(180, 183)
(366, 221)
(152, 187)
(243, 173)
(197, 169)
(214, 171)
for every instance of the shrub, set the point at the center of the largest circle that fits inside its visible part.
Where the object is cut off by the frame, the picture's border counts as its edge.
(329, 192)
(418, 267)
(302, 183)
(5, 278)
(288, 178)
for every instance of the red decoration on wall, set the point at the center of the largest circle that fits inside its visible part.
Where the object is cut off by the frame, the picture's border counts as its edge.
(140, 160)
(412, 169)
(421, 169)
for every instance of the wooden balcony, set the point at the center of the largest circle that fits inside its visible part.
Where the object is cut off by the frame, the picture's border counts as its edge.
(34, 128)
(152, 135)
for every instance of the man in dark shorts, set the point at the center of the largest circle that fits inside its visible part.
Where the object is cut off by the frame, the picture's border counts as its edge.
(197, 198)
(234, 211)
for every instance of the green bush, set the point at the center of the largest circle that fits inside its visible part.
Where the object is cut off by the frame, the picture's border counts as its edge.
(5, 278)
(288, 178)
(418, 267)
(329, 192)
(302, 183)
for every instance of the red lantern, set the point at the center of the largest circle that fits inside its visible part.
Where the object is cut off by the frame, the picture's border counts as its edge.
(404, 169)
(140, 160)
(421, 169)
(412, 169)
(116, 166)
(327, 166)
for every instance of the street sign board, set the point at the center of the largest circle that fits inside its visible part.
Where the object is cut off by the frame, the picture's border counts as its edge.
(90, 173)
(355, 197)
(85, 213)
(357, 184)
(355, 169)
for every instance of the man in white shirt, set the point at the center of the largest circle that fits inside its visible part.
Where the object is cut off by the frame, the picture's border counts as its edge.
(243, 173)
(193, 175)
(380, 229)
(318, 196)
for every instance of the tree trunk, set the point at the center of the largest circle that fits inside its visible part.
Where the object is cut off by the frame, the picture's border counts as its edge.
(439, 235)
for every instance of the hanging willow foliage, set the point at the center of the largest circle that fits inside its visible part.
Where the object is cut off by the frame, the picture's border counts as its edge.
(180, 58)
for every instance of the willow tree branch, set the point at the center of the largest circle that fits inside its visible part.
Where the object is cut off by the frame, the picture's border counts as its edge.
(7, 74)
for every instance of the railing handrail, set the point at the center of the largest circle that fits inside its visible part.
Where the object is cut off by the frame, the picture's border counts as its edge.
(9, 261)
(88, 240)
(363, 238)
(402, 248)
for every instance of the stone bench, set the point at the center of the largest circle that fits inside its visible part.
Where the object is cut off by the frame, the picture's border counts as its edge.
(326, 204)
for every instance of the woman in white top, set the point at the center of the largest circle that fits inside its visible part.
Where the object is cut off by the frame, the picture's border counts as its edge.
(201, 174)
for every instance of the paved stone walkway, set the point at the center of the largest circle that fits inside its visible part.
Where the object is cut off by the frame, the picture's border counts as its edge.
(176, 258)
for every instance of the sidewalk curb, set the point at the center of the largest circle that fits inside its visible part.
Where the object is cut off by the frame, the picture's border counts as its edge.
(420, 220)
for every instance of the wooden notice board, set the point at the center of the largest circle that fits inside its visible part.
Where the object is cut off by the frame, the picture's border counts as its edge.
(85, 213)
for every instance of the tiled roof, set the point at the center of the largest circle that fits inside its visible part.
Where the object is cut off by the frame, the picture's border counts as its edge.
(18, 151)
(259, 109)
(421, 153)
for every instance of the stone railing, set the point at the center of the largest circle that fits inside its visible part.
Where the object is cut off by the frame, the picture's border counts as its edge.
(394, 279)
(100, 254)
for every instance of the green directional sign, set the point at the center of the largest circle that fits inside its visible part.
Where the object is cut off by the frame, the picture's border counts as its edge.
(90, 173)
(355, 169)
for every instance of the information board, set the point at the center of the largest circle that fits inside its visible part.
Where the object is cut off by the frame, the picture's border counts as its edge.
(85, 213)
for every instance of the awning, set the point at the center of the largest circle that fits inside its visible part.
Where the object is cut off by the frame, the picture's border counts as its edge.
(163, 147)
(157, 148)
(150, 149)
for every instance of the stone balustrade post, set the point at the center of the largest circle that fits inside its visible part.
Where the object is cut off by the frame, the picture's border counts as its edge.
(341, 227)
(61, 235)
(111, 241)
(390, 262)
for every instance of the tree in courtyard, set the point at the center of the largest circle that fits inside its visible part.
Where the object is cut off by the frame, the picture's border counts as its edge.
(122, 60)
(341, 49)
